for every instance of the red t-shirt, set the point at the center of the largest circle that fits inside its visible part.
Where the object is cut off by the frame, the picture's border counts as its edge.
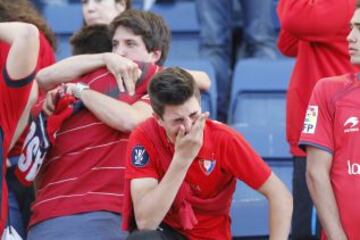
(225, 155)
(83, 171)
(332, 124)
(14, 96)
(315, 33)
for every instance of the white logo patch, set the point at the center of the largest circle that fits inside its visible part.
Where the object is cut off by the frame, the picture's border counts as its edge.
(351, 124)
(311, 119)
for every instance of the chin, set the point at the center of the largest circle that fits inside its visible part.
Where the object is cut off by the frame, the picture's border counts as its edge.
(355, 60)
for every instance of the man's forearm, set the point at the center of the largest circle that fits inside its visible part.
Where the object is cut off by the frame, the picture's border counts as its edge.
(153, 207)
(280, 211)
(323, 196)
(69, 69)
(114, 113)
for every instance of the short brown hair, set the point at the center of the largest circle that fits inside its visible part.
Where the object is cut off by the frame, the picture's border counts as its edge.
(172, 86)
(357, 3)
(151, 27)
(91, 39)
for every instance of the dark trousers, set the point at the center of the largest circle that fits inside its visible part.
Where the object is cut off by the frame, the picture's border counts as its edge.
(164, 232)
(304, 223)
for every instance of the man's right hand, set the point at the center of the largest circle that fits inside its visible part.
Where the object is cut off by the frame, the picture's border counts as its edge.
(187, 145)
(50, 100)
(125, 71)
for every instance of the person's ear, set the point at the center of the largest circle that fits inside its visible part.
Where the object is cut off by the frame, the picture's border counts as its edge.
(155, 56)
(158, 119)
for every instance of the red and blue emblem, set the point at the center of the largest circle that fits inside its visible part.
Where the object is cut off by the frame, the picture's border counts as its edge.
(207, 166)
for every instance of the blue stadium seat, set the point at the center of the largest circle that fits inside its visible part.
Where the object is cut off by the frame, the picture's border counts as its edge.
(182, 20)
(257, 107)
(249, 209)
(208, 98)
(64, 20)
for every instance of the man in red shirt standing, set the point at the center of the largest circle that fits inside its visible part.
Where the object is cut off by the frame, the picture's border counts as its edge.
(320, 49)
(182, 169)
(331, 134)
(17, 93)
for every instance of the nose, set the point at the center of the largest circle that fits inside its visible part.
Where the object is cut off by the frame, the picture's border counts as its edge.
(188, 124)
(350, 37)
(90, 6)
(119, 50)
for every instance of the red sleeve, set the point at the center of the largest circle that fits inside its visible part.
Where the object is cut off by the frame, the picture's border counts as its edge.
(316, 20)
(140, 157)
(14, 96)
(287, 44)
(318, 123)
(244, 163)
(46, 54)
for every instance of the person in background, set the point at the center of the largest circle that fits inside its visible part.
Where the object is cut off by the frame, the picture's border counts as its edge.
(91, 39)
(216, 20)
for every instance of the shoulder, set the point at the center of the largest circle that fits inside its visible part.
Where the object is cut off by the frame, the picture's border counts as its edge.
(221, 133)
(332, 85)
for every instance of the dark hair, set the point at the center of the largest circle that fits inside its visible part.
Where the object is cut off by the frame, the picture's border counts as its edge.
(128, 4)
(172, 86)
(91, 39)
(357, 3)
(24, 11)
(151, 27)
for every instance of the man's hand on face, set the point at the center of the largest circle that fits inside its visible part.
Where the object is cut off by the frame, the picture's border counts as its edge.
(187, 145)
(124, 70)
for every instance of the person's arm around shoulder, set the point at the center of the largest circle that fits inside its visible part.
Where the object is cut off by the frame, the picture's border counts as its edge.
(114, 113)
(23, 53)
(319, 183)
(280, 207)
(152, 199)
(74, 67)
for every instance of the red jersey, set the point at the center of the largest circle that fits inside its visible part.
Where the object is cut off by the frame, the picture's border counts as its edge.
(319, 44)
(224, 156)
(332, 124)
(14, 96)
(83, 171)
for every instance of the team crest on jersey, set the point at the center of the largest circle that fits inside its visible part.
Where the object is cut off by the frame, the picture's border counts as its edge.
(311, 119)
(139, 156)
(207, 166)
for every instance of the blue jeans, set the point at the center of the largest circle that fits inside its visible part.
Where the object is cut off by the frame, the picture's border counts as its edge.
(216, 28)
(16, 219)
(90, 226)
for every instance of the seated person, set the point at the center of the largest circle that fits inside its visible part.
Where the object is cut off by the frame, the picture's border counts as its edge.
(182, 170)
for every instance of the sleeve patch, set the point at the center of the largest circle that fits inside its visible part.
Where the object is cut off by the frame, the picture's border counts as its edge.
(311, 118)
(139, 156)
